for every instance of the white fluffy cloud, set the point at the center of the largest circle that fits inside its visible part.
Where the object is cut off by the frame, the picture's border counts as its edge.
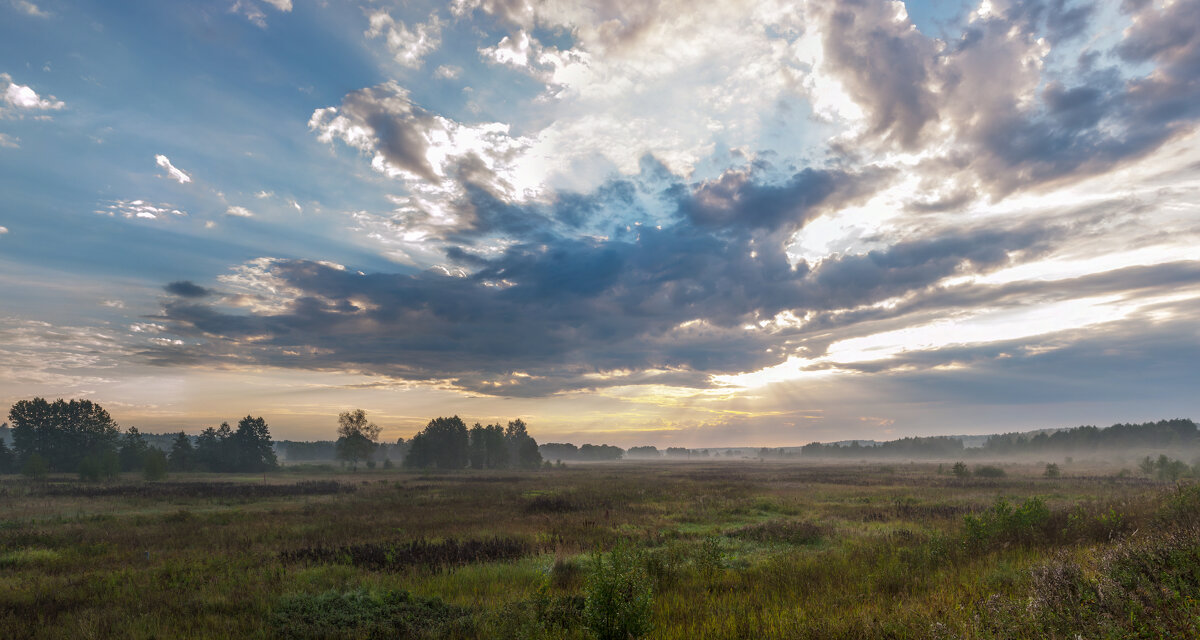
(239, 212)
(173, 172)
(3, 230)
(408, 46)
(22, 98)
(9, 141)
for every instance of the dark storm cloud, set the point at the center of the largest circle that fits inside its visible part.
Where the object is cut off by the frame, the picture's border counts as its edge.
(667, 305)
(186, 289)
(737, 199)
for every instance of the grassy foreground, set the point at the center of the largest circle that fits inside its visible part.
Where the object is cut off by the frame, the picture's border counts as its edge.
(725, 550)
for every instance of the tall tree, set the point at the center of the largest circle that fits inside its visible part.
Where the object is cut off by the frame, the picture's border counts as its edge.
(522, 448)
(252, 445)
(208, 455)
(61, 433)
(133, 450)
(356, 437)
(7, 460)
(443, 444)
(183, 454)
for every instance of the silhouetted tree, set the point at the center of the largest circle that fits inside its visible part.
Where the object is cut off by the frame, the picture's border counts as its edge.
(62, 433)
(154, 465)
(559, 451)
(183, 454)
(35, 467)
(488, 447)
(251, 444)
(247, 449)
(209, 444)
(522, 448)
(356, 437)
(7, 459)
(443, 444)
(133, 450)
(598, 452)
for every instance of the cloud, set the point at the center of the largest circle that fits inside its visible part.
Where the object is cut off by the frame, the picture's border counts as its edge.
(186, 289)
(408, 46)
(669, 304)
(172, 172)
(251, 10)
(141, 209)
(3, 230)
(986, 110)
(264, 194)
(240, 212)
(447, 167)
(10, 142)
(21, 98)
(29, 8)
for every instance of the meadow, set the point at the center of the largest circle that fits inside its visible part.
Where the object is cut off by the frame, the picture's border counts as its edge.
(688, 550)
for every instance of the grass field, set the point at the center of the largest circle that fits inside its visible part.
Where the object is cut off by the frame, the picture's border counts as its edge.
(723, 550)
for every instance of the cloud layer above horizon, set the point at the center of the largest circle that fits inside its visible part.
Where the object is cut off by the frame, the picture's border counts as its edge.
(713, 223)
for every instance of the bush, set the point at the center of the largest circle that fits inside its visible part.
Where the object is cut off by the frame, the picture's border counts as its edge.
(1005, 523)
(782, 531)
(619, 596)
(960, 470)
(365, 614)
(154, 465)
(1138, 588)
(988, 471)
(35, 467)
(99, 466)
(422, 553)
(1052, 471)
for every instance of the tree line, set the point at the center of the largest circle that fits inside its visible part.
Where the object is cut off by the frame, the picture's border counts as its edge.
(79, 436)
(1173, 435)
(447, 443)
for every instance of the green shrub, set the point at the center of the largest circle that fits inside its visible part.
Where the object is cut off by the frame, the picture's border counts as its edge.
(35, 467)
(710, 559)
(782, 531)
(1138, 588)
(1052, 471)
(154, 465)
(988, 471)
(1004, 523)
(960, 470)
(366, 614)
(619, 596)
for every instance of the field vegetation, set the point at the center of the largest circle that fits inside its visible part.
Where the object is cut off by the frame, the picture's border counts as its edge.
(729, 549)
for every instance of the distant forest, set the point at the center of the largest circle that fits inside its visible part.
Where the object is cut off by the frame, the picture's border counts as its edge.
(79, 436)
(1165, 435)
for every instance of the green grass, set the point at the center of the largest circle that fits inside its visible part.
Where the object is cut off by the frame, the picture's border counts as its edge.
(731, 550)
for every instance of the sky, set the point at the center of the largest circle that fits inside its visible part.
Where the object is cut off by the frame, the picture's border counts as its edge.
(676, 223)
